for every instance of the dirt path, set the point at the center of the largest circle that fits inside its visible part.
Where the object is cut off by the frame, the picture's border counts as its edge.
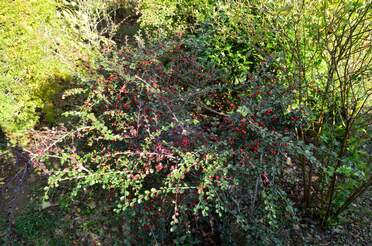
(16, 169)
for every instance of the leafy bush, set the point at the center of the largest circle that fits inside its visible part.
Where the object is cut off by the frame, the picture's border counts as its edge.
(221, 124)
(31, 31)
(43, 45)
(152, 140)
(330, 56)
(169, 17)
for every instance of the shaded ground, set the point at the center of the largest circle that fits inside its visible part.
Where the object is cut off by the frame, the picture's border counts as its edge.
(15, 189)
(355, 227)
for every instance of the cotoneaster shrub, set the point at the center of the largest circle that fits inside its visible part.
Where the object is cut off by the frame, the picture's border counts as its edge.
(199, 137)
(146, 145)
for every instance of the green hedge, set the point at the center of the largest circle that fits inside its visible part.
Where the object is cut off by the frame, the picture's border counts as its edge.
(31, 38)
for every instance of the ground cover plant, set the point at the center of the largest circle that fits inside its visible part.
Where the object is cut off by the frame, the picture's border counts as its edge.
(213, 123)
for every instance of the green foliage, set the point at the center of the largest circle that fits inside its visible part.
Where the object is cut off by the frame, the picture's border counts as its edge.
(40, 227)
(169, 17)
(91, 23)
(148, 145)
(30, 34)
(35, 226)
(237, 37)
(229, 119)
(330, 58)
(43, 45)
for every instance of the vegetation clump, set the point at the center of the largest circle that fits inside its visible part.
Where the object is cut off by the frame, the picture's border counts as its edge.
(217, 122)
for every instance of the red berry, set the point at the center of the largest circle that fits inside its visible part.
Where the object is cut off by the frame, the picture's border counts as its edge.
(268, 112)
(159, 167)
(185, 141)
